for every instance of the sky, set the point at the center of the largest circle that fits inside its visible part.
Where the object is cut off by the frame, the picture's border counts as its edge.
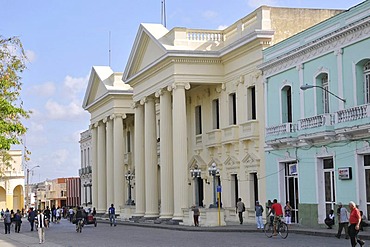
(64, 39)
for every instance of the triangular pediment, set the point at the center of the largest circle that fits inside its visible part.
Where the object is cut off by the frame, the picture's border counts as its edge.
(197, 161)
(95, 87)
(146, 50)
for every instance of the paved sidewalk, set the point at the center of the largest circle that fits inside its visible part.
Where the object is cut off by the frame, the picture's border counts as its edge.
(247, 227)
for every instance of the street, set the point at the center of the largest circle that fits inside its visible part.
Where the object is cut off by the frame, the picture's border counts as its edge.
(64, 234)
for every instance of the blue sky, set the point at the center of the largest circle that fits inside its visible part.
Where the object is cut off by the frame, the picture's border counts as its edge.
(64, 39)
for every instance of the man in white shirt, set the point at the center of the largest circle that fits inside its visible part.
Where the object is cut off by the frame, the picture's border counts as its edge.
(41, 226)
(342, 213)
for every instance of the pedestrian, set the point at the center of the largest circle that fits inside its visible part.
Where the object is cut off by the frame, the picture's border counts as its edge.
(53, 213)
(71, 213)
(94, 211)
(196, 214)
(2, 213)
(342, 214)
(364, 222)
(31, 218)
(288, 213)
(329, 220)
(259, 212)
(112, 215)
(240, 208)
(47, 216)
(354, 227)
(271, 213)
(41, 226)
(58, 214)
(7, 221)
(17, 221)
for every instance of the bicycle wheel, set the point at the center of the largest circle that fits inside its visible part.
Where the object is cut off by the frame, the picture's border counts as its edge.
(283, 230)
(269, 229)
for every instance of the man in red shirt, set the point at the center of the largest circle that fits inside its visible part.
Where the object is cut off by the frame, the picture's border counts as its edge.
(278, 213)
(354, 221)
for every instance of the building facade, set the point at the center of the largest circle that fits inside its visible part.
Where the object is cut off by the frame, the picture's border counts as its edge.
(197, 99)
(73, 190)
(86, 170)
(317, 86)
(12, 183)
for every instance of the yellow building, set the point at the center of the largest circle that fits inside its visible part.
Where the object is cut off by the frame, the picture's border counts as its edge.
(12, 183)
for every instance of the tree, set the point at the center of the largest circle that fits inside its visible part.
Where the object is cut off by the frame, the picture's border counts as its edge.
(12, 64)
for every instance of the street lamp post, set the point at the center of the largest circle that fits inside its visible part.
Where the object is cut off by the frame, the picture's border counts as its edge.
(307, 86)
(28, 186)
(129, 176)
(214, 171)
(195, 174)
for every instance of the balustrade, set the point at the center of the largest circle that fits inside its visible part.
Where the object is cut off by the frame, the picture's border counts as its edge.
(354, 113)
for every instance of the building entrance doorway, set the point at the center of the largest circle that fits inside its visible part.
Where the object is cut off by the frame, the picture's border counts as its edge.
(291, 189)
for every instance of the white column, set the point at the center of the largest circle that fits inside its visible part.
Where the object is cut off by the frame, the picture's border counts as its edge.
(139, 160)
(109, 157)
(94, 168)
(151, 161)
(301, 83)
(165, 131)
(180, 155)
(119, 149)
(102, 171)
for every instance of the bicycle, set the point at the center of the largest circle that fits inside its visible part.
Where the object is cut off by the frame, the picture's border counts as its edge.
(281, 229)
(80, 224)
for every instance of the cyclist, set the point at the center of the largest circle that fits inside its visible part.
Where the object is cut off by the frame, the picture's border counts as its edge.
(80, 215)
(277, 210)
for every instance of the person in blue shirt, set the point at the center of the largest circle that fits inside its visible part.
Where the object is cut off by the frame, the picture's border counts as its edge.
(112, 215)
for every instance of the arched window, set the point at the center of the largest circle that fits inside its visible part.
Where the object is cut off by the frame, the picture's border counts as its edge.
(286, 104)
(367, 82)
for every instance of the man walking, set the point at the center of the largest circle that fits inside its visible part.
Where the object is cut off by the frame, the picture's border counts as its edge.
(41, 226)
(240, 208)
(343, 220)
(7, 221)
(259, 212)
(112, 215)
(31, 218)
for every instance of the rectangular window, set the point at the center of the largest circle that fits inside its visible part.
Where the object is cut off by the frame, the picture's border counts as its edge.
(216, 114)
(198, 120)
(232, 109)
(252, 103)
(367, 87)
(325, 93)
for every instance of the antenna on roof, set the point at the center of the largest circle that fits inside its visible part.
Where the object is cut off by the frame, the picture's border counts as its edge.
(109, 50)
(163, 13)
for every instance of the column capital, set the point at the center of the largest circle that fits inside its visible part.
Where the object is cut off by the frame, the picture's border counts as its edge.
(338, 52)
(118, 115)
(176, 85)
(160, 92)
(299, 67)
(143, 100)
(96, 125)
(105, 120)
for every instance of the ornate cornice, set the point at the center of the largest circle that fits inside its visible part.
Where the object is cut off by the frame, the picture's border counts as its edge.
(327, 43)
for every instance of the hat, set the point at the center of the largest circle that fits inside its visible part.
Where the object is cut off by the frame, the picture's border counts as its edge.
(257, 202)
(339, 204)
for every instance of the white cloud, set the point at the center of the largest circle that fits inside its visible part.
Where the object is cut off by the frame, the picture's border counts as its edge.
(71, 111)
(59, 156)
(258, 3)
(209, 14)
(31, 55)
(46, 89)
(75, 85)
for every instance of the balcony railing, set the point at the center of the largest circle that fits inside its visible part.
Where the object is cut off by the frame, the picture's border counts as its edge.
(249, 129)
(316, 121)
(214, 138)
(354, 113)
(84, 170)
(281, 129)
(231, 133)
(330, 119)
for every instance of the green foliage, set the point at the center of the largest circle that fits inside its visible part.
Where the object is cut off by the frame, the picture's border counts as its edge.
(12, 64)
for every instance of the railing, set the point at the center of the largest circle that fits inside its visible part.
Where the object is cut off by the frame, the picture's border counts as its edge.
(316, 121)
(197, 35)
(230, 133)
(354, 113)
(214, 137)
(249, 129)
(281, 129)
(84, 170)
(198, 140)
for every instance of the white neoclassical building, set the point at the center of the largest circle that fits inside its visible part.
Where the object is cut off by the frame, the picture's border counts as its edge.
(85, 172)
(197, 105)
